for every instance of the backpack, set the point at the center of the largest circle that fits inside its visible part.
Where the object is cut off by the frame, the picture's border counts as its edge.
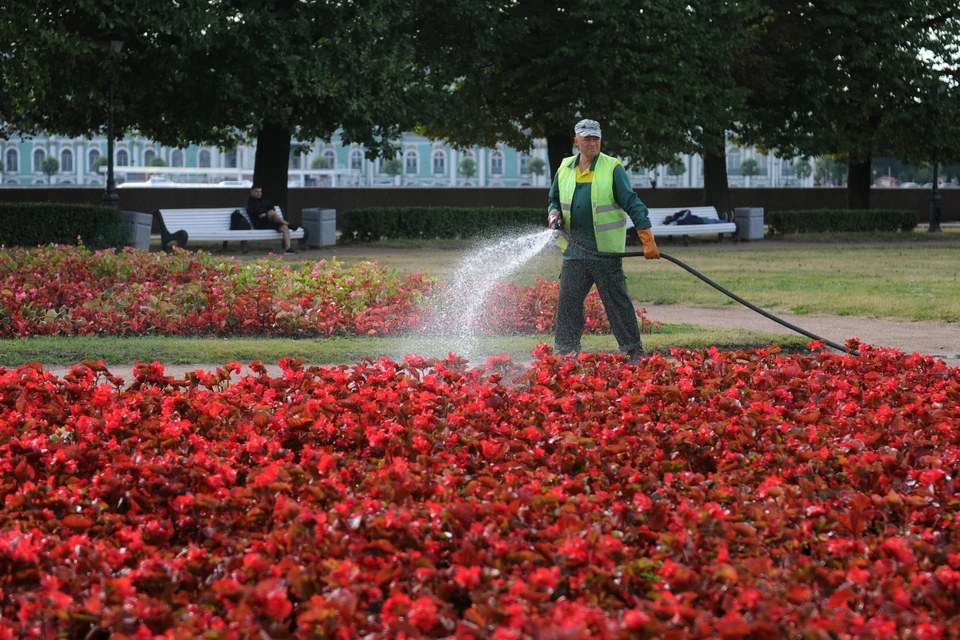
(239, 222)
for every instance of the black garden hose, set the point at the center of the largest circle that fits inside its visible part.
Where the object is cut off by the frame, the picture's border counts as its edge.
(720, 288)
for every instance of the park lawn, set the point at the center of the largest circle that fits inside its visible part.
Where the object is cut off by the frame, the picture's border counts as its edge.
(64, 351)
(898, 281)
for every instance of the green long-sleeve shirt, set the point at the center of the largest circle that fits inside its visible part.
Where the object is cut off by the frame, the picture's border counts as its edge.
(581, 209)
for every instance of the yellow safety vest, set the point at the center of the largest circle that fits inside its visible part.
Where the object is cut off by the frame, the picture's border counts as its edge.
(609, 220)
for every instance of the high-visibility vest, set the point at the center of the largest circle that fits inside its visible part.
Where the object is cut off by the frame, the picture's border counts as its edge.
(609, 220)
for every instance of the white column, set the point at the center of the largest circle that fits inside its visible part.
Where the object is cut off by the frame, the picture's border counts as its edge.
(53, 150)
(453, 167)
(79, 159)
(481, 167)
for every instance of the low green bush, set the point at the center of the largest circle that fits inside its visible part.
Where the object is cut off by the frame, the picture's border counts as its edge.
(29, 224)
(846, 220)
(367, 225)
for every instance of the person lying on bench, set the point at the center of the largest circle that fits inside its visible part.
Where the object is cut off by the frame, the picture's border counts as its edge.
(685, 217)
(264, 215)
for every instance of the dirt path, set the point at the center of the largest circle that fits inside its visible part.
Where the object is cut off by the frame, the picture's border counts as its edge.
(934, 338)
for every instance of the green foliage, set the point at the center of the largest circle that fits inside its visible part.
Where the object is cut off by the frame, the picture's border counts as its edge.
(101, 161)
(750, 167)
(468, 167)
(156, 161)
(29, 224)
(320, 162)
(1, 166)
(393, 167)
(841, 220)
(676, 167)
(802, 168)
(537, 166)
(367, 225)
(516, 71)
(50, 166)
(858, 78)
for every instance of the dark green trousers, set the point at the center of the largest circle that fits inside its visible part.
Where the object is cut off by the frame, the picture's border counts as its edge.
(576, 278)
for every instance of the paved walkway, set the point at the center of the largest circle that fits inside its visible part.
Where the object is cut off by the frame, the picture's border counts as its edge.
(938, 339)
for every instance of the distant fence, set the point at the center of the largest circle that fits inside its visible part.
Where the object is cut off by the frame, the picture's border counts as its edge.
(345, 199)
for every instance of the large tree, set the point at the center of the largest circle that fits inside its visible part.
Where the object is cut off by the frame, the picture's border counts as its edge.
(197, 71)
(523, 69)
(862, 77)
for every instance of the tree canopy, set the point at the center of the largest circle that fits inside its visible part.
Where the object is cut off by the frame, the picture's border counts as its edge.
(195, 71)
(645, 69)
(860, 78)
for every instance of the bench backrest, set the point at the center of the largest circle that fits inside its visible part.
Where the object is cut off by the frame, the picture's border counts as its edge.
(657, 216)
(199, 219)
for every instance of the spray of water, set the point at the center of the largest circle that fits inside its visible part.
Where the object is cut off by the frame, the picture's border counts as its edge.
(456, 320)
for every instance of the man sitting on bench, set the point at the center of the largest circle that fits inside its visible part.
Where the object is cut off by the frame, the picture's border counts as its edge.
(685, 217)
(264, 215)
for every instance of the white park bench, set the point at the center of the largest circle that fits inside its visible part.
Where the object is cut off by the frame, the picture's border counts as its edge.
(659, 229)
(211, 224)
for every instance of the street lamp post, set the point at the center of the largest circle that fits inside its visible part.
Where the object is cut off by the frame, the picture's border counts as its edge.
(110, 196)
(936, 202)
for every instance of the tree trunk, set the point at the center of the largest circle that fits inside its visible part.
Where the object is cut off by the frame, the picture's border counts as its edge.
(716, 191)
(558, 148)
(271, 164)
(858, 184)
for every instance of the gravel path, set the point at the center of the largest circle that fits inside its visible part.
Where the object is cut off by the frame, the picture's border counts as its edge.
(934, 338)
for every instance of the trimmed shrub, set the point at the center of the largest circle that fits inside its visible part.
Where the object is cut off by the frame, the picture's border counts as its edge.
(29, 224)
(841, 220)
(367, 225)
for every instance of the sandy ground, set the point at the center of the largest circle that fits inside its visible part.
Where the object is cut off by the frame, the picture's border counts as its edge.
(941, 340)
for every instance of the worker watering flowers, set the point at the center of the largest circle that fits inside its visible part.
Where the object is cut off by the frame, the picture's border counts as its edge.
(590, 199)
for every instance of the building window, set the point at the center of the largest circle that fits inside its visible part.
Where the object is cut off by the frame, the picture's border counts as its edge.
(204, 159)
(176, 158)
(66, 161)
(439, 161)
(331, 158)
(148, 157)
(92, 158)
(411, 162)
(13, 161)
(764, 163)
(294, 158)
(230, 158)
(733, 161)
(356, 160)
(38, 156)
(123, 158)
(496, 163)
(524, 164)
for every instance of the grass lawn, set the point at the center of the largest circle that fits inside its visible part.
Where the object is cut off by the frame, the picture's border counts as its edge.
(66, 351)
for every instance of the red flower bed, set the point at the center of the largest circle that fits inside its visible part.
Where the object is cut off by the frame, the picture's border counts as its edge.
(723, 495)
(73, 291)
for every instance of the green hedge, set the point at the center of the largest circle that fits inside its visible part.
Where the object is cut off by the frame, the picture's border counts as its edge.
(827, 220)
(29, 224)
(367, 225)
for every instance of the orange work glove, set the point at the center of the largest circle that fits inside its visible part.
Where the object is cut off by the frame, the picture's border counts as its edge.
(650, 251)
